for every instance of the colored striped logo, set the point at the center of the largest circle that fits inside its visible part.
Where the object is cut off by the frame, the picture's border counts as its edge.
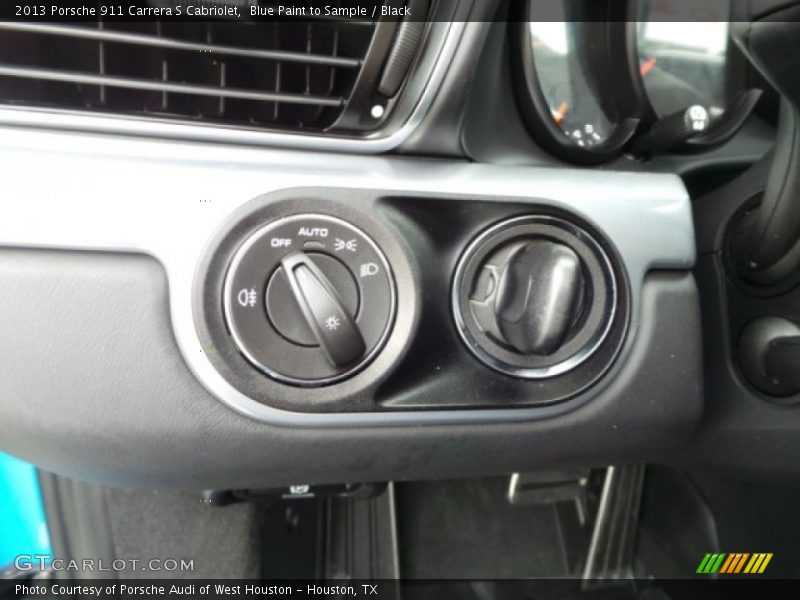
(734, 563)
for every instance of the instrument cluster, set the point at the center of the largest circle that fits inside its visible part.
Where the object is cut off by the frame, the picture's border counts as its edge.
(595, 78)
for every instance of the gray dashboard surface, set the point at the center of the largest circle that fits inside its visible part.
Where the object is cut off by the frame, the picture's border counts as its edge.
(94, 387)
(167, 199)
(103, 377)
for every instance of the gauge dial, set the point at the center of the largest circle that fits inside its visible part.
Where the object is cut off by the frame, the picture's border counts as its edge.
(577, 87)
(682, 49)
(570, 92)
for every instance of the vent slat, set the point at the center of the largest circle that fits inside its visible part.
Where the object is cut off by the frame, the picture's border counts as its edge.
(105, 35)
(161, 86)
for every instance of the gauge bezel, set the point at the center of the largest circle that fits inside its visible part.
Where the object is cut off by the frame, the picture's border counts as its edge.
(622, 87)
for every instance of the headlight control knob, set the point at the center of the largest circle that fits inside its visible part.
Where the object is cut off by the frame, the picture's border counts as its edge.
(309, 299)
(534, 297)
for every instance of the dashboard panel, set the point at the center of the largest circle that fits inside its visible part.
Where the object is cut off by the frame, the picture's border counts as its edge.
(159, 407)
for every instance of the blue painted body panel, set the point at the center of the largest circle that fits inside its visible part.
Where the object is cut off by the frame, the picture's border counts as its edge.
(23, 526)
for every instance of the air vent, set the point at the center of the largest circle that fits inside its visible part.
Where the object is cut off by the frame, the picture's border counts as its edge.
(275, 75)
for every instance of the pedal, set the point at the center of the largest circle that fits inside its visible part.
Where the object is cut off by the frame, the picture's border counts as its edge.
(611, 551)
(550, 487)
(598, 513)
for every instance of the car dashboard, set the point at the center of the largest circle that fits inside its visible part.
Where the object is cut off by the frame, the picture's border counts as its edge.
(239, 256)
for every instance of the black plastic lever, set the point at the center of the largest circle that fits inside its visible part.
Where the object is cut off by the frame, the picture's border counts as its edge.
(771, 247)
(672, 130)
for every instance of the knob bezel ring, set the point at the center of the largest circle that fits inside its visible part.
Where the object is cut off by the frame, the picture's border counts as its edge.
(490, 240)
(241, 346)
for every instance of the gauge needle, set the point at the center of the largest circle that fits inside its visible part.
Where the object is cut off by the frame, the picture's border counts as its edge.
(647, 66)
(558, 114)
